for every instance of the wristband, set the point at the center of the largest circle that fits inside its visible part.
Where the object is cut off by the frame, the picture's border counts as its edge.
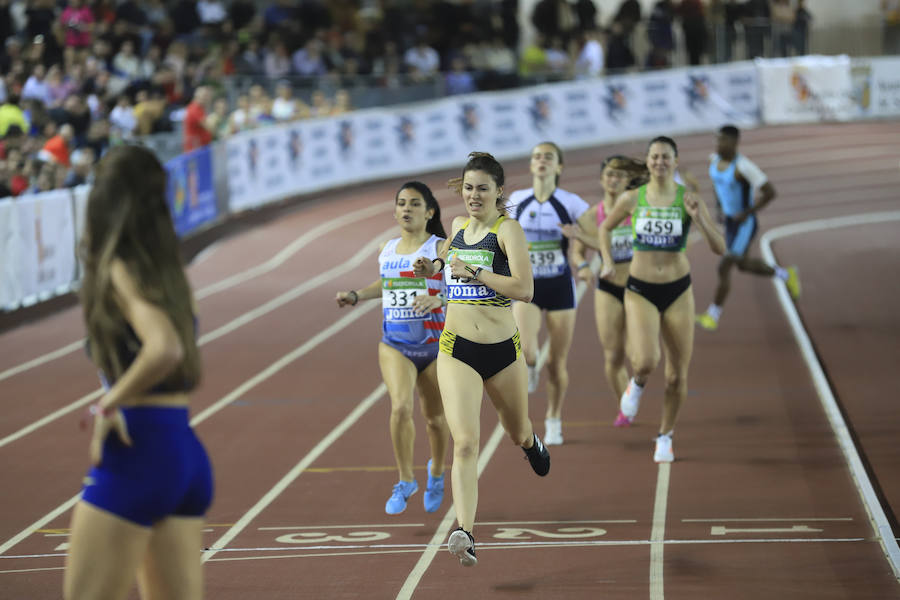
(477, 273)
(98, 409)
(471, 271)
(355, 297)
(442, 263)
(582, 265)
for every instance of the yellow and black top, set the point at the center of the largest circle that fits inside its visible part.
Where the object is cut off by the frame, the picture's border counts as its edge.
(485, 253)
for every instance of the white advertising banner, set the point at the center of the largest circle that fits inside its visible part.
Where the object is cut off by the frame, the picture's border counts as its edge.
(276, 162)
(876, 86)
(46, 259)
(10, 287)
(806, 89)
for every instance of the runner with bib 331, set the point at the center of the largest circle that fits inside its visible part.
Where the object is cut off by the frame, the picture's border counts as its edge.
(658, 294)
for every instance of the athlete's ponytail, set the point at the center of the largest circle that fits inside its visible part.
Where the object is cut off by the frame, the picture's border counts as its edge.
(434, 225)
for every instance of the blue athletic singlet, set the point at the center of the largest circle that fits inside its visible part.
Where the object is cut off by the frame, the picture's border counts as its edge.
(399, 288)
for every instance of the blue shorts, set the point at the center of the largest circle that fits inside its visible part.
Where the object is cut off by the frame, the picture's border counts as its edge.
(421, 355)
(739, 237)
(165, 472)
(554, 293)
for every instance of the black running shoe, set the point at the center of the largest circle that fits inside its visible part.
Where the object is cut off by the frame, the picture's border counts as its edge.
(462, 545)
(538, 457)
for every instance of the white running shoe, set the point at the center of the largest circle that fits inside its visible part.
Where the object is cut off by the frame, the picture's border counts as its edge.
(663, 453)
(631, 400)
(553, 432)
(534, 376)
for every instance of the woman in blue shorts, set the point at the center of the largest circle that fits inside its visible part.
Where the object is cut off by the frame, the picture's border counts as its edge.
(659, 300)
(143, 503)
(413, 322)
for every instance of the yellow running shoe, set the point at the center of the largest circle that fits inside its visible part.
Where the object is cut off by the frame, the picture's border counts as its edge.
(707, 322)
(793, 282)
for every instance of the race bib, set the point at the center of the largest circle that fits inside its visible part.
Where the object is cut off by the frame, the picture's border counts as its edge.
(547, 258)
(398, 295)
(659, 227)
(621, 244)
(459, 289)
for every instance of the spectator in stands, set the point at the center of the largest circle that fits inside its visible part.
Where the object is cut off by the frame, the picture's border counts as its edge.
(320, 107)
(554, 18)
(459, 80)
(285, 107)
(11, 115)
(890, 12)
(500, 63)
(126, 63)
(782, 26)
(533, 60)
(277, 61)
(61, 87)
(558, 61)
(628, 15)
(423, 59)
(239, 119)
(5, 190)
(217, 121)
(36, 85)
(82, 167)
(122, 120)
(57, 149)
(802, 18)
(659, 32)
(618, 50)
(756, 18)
(78, 21)
(693, 23)
(342, 103)
(308, 60)
(589, 55)
(196, 133)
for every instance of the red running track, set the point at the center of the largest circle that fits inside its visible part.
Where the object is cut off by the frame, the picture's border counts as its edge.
(759, 504)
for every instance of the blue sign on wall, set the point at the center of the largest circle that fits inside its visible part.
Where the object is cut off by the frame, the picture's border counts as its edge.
(190, 194)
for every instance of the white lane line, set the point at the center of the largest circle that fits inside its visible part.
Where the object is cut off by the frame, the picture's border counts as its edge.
(864, 486)
(440, 534)
(47, 419)
(39, 524)
(340, 526)
(498, 545)
(229, 282)
(418, 571)
(291, 249)
(295, 472)
(767, 520)
(320, 337)
(247, 317)
(40, 360)
(658, 531)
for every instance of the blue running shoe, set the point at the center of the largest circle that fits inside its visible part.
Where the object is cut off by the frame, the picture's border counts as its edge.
(434, 491)
(396, 504)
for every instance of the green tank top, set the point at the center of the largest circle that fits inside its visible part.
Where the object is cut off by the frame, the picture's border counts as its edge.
(663, 228)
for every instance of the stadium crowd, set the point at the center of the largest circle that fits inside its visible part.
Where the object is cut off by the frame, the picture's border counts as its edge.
(79, 76)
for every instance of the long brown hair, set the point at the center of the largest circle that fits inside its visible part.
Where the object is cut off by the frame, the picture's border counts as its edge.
(128, 219)
(482, 161)
(638, 174)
